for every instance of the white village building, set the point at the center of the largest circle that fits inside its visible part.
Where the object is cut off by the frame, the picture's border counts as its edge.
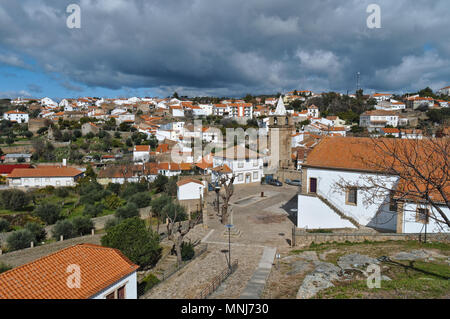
(337, 191)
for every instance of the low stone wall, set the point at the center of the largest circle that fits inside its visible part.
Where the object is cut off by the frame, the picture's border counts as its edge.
(23, 256)
(99, 223)
(300, 238)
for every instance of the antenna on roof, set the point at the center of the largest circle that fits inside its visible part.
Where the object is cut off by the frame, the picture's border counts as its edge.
(358, 74)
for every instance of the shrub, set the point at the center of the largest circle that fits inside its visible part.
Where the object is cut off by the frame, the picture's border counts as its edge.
(111, 223)
(133, 188)
(113, 201)
(114, 187)
(82, 225)
(64, 228)
(48, 212)
(135, 241)
(92, 210)
(4, 225)
(14, 199)
(62, 192)
(159, 203)
(174, 211)
(128, 211)
(37, 230)
(141, 199)
(20, 239)
(150, 281)
(187, 251)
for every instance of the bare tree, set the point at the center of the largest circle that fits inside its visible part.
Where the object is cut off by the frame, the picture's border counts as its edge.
(420, 168)
(226, 182)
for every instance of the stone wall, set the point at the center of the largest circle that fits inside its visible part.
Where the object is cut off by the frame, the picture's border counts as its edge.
(20, 257)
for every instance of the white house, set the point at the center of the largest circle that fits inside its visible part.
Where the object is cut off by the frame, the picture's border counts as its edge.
(55, 176)
(445, 91)
(48, 102)
(337, 191)
(313, 111)
(141, 153)
(189, 189)
(16, 116)
(83, 271)
(245, 164)
(378, 118)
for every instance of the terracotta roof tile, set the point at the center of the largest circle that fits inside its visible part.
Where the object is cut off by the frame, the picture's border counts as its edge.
(46, 278)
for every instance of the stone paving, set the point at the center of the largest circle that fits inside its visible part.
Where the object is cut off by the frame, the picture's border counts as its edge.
(262, 223)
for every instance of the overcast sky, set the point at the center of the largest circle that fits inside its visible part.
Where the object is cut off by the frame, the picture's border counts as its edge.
(220, 47)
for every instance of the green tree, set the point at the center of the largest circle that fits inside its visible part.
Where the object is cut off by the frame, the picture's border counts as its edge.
(4, 267)
(160, 182)
(128, 211)
(135, 241)
(141, 200)
(82, 225)
(37, 230)
(175, 212)
(48, 212)
(64, 228)
(14, 199)
(4, 225)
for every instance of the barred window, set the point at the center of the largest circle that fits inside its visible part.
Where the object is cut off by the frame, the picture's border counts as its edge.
(352, 195)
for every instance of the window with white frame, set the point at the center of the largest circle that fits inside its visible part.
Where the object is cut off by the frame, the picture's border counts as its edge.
(240, 177)
(255, 176)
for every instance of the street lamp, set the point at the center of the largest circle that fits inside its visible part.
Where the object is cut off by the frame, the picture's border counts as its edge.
(229, 226)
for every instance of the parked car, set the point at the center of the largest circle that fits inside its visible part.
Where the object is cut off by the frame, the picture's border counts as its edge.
(295, 182)
(275, 182)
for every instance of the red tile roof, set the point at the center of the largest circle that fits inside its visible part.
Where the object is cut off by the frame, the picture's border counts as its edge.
(7, 169)
(46, 278)
(45, 172)
(142, 148)
(187, 181)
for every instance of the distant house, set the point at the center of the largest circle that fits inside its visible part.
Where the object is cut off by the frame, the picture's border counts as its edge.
(415, 102)
(6, 169)
(44, 176)
(16, 116)
(245, 164)
(313, 111)
(375, 119)
(17, 158)
(89, 127)
(119, 174)
(82, 271)
(141, 153)
(445, 91)
(190, 193)
(173, 169)
(190, 188)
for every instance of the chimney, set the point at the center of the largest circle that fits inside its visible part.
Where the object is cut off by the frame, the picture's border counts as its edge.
(64, 162)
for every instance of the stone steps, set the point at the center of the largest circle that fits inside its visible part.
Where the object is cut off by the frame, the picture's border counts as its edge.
(337, 211)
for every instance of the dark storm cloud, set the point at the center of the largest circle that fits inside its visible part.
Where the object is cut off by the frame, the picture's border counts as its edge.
(230, 47)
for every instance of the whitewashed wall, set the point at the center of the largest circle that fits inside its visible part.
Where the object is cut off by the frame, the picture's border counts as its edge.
(130, 288)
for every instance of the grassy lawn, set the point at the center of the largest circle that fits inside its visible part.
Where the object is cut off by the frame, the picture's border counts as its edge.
(421, 280)
(418, 279)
